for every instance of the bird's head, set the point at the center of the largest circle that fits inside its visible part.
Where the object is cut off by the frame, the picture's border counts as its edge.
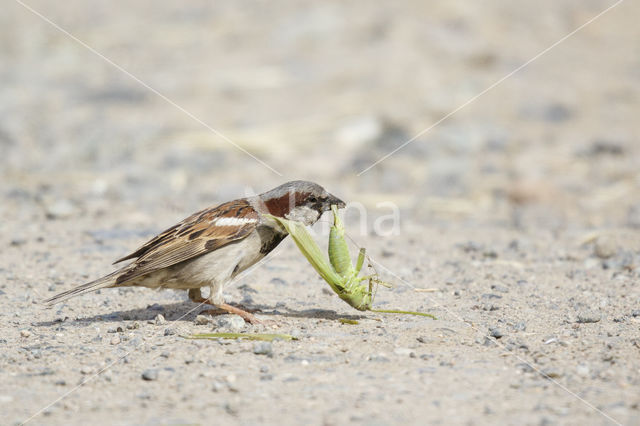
(299, 200)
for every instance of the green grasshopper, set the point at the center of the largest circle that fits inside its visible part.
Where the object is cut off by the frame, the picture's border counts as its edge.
(339, 272)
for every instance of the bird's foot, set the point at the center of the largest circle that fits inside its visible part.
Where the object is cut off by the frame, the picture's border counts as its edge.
(246, 308)
(225, 308)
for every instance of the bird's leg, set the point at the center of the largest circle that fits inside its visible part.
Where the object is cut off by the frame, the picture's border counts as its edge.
(221, 308)
(195, 295)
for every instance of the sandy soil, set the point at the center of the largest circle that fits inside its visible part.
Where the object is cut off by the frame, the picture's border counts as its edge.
(520, 214)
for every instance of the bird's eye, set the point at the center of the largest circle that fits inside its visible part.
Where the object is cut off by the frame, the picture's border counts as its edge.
(313, 199)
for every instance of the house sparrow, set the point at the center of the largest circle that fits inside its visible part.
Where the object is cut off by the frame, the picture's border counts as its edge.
(212, 246)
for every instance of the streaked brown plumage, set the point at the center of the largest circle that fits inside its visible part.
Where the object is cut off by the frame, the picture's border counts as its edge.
(210, 247)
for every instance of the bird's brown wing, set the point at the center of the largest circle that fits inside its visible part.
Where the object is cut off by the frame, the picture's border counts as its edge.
(200, 233)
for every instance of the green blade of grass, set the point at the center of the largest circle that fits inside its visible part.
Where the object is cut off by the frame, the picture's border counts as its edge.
(395, 311)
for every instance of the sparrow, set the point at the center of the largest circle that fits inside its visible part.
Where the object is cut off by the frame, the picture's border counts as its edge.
(212, 246)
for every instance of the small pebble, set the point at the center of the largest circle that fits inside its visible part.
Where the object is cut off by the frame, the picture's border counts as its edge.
(115, 340)
(229, 322)
(520, 326)
(135, 342)
(59, 209)
(379, 358)
(605, 248)
(202, 320)
(588, 317)
(491, 296)
(490, 307)
(496, 332)
(150, 374)
(582, 370)
(25, 333)
(552, 373)
(499, 288)
(169, 331)
(402, 351)
(17, 242)
(159, 320)
(263, 348)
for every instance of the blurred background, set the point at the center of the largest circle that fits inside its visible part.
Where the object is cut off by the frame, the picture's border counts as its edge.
(320, 91)
(499, 205)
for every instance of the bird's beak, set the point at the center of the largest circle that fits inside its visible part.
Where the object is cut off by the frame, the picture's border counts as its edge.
(333, 200)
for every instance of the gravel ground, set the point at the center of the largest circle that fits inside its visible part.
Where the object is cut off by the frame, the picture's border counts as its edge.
(519, 216)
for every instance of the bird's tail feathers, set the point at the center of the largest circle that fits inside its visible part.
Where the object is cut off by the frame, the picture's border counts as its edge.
(106, 281)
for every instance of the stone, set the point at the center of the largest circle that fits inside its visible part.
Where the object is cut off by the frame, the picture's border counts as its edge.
(229, 322)
(379, 358)
(496, 332)
(202, 320)
(402, 351)
(499, 288)
(59, 209)
(263, 348)
(551, 373)
(150, 374)
(605, 248)
(587, 317)
(582, 370)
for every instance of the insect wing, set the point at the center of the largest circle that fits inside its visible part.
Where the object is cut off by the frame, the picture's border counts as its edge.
(311, 251)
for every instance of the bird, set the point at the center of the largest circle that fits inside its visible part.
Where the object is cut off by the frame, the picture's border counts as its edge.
(212, 246)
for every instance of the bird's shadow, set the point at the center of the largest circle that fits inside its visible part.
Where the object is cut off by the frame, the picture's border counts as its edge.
(317, 314)
(184, 311)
